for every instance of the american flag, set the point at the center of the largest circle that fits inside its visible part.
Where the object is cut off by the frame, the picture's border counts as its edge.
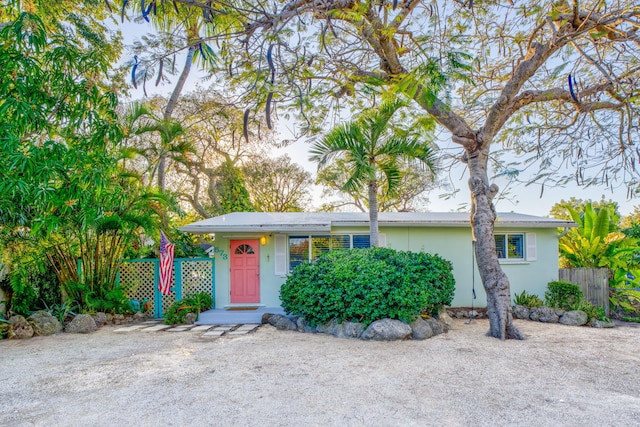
(166, 264)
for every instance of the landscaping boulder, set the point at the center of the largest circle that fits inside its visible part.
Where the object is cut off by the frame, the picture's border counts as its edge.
(44, 323)
(437, 326)
(190, 318)
(544, 314)
(520, 312)
(81, 324)
(280, 322)
(444, 317)
(602, 324)
(574, 318)
(342, 330)
(303, 325)
(100, 318)
(20, 328)
(421, 329)
(387, 330)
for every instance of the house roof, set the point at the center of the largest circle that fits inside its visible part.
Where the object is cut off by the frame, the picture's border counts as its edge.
(246, 222)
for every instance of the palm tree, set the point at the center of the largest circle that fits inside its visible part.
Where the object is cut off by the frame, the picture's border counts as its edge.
(139, 119)
(372, 148)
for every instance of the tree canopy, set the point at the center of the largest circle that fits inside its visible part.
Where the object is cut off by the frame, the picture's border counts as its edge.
(554, 83)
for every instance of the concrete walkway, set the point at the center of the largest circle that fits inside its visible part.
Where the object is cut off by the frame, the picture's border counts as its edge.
(204, 330)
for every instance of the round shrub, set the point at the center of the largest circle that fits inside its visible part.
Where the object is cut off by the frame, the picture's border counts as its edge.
(364, 285)
(562, 295)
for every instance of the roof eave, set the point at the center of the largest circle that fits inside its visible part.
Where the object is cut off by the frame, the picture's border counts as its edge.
(267, 228)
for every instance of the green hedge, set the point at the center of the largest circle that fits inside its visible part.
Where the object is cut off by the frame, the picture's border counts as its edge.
(364, 285)
(562, 295)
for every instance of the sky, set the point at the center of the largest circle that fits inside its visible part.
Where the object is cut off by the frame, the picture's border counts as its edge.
(521, 199)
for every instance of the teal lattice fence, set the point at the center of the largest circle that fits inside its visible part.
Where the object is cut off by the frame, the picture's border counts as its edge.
(139, 279)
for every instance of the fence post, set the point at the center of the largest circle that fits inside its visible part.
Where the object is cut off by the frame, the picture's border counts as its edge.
(157, 296)
(177, 283)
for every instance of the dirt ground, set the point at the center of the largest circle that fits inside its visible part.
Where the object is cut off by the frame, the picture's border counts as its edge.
(560, 375)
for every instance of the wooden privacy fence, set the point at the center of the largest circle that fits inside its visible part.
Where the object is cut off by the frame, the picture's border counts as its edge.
(139, 279)
(593, 281)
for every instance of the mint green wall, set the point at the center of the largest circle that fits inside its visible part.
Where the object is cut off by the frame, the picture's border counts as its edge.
(451, 243)
(454, 244)
(533, 277)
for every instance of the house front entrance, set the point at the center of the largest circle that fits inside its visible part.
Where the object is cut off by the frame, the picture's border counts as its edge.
(245, 271)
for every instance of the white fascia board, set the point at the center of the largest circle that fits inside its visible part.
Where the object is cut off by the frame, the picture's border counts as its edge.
(271, 228)
(535, 224)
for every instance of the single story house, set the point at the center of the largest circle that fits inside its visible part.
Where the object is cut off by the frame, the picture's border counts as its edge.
(255, 251)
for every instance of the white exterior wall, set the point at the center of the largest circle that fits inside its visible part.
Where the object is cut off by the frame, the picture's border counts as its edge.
(451, 243)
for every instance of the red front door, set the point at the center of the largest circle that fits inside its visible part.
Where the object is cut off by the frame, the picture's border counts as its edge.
(245, 271)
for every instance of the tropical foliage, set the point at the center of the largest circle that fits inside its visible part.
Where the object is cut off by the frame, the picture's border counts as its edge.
(597, 241)
(65, 201)
(371, 148)
(528, 300)
(191, 303)
(411, 193)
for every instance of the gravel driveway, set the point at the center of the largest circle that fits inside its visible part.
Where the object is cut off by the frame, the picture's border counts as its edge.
(560, 376)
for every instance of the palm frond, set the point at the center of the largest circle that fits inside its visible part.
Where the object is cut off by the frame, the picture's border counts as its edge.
(337, 142)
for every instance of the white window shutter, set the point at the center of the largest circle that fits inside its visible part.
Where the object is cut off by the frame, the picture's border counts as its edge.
(382, 240)
(280, 254)
(532, 249)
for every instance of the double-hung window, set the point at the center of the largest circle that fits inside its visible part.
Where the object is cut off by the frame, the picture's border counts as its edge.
(510, 246)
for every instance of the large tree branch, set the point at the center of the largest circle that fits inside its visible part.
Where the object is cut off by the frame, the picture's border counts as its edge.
(461, 132)
(294, 9)
(557, 94)
(500, 111)
(574, 25)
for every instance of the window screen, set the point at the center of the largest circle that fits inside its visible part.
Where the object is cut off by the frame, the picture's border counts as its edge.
(510, 246)
(361, 241)
(298, 250)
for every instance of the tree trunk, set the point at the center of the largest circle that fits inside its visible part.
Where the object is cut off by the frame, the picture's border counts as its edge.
(373, 213)
(168, 111)
(483, 215)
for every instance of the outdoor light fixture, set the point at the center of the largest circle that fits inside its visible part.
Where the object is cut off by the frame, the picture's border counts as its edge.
(263, 240)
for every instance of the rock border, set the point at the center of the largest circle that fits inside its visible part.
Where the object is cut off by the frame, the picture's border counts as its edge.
(536, 314)
(554, 315)
(380, 330)
(42, 323)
